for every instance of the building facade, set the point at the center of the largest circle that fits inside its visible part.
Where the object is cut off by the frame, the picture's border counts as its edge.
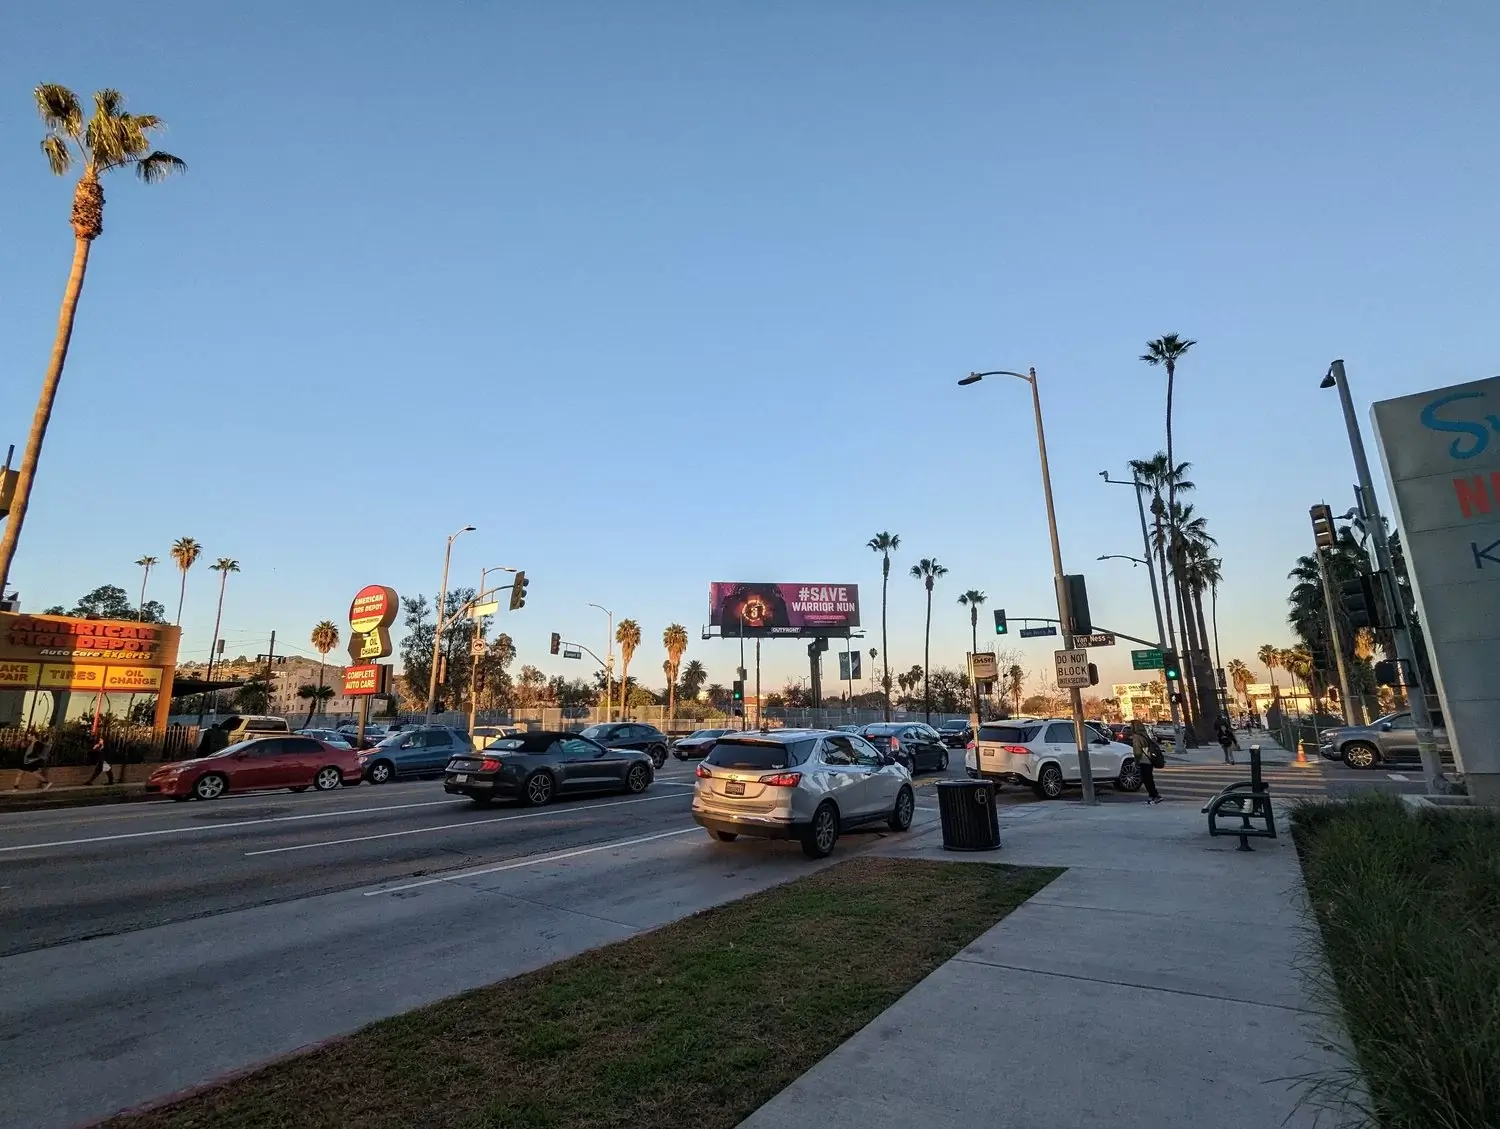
(1143, 701)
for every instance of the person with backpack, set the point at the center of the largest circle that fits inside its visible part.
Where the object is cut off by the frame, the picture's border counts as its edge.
(1148, 757)
(34, 761)
(1224, 733)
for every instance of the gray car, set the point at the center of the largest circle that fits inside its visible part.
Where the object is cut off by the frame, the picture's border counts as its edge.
(803, 784)
(1391, 739)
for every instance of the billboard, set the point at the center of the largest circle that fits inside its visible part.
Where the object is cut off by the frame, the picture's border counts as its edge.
(783, 609)
(1442, 458)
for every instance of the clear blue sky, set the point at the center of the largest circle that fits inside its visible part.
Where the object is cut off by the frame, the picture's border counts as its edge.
(656, 294)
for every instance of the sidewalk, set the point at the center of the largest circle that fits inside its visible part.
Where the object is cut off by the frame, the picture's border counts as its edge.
(1155, 984)
(32, 798)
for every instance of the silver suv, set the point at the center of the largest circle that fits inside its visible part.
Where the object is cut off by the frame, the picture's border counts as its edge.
(804, 784)
(1391, 739)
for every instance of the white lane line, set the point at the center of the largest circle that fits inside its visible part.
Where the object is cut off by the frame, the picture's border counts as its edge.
(677, 783)
(529, 862)
(1397, 776)
(221, 826)
(450, 826)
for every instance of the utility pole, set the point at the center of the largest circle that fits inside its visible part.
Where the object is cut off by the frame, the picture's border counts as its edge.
(437, 631)
(270, 658)
(1432, 767)
(1353, 709)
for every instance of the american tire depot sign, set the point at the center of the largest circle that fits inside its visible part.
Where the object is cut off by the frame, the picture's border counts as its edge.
(54, 652)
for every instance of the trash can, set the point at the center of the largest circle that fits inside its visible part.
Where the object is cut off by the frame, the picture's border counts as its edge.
(967, 810)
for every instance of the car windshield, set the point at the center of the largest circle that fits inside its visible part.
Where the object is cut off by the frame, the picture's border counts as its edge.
(953, 726)
(395, 738)
(881, 730)
(708, 733)
(741, 752)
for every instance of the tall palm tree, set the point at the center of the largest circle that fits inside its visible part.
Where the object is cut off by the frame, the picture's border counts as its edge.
(185, 551)
(1015, 685)
(1240, 676)
(146, 563)
(628, 635)
(675, 640)
(223, 566)
(325, 637)
(973, 598)
(1270, 658)
(1160, 475)
(927, 570)
(1165, 352)
(111, 139)
(885, 544)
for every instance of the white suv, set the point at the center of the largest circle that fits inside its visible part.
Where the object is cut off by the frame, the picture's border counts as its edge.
(1044, 754)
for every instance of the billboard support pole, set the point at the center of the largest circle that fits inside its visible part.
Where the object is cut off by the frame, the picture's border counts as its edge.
(757, 683)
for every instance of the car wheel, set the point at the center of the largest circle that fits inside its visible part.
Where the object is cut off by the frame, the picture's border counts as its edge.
(1129, 779)
(724, 836)
(901, 814)
(638, 779)
(943, 762)
(1049, 784)
(328, 779)
(658, 755)
(1360, 754)
(823, 834)
(539, 788)
(210, 787)
(380, 772)
(298, 788)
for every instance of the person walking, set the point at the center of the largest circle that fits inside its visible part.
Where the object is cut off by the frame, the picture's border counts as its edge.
(34, 761)
(1224, 732)
(1146, 751)
(102, 767)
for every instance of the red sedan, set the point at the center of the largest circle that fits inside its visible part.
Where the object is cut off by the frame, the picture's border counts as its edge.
(297, 763)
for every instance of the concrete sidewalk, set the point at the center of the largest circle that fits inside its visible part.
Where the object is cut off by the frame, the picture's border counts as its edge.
(1156, 984)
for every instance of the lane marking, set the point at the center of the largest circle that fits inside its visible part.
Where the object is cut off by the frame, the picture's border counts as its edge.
(530, 862)
(450, 826)
(1398, 776)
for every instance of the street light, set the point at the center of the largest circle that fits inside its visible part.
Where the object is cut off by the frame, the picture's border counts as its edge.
(437, 632)
(609, 664)
(1064, 612)
(1416, 697)
(474, 654)
(1164, 631)
(1123, 557)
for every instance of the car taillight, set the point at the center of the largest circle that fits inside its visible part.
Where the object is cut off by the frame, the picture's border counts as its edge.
(489, 764)
(1020, 749)
(783, 780)
(702, 771)
(895, 745)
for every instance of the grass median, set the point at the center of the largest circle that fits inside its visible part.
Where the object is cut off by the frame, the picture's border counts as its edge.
(692, 1026)
(1409, 911)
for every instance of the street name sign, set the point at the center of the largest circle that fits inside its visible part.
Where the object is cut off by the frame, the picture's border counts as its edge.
(479, 611)
(1098, 639)
(1034, 632)
(1072, 668)
(1149, 659)
(983, 667)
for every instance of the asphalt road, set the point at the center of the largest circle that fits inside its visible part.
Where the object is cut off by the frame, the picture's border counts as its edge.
(150, 947)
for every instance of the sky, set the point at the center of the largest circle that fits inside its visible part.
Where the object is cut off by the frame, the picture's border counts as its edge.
(657, 294)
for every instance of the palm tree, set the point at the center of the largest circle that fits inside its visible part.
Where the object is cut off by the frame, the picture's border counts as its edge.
(1166, 351)
(325, 637)
(1158, 473)
(185, 551)
(927, 570)
(314, 696)
(675, 640)
(145, 563)
(885, 544)
(1015, 686)
(692, 678)
(628, 635)
(112, 139)
(973, 598)
(1240, 675)
(1270, 658)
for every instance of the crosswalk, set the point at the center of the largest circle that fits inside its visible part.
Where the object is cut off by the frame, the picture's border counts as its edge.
(1201, 782)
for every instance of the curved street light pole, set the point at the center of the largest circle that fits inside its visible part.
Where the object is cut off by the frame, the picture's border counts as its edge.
(609, 664)
(437, 631)
(1064, 612)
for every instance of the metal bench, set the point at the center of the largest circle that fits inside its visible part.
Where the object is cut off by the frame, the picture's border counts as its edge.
(1249, 801)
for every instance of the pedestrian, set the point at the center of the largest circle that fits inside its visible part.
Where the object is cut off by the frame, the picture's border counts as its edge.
(1224, 731)
(102, 767)
(34, 761)
(1148, 755)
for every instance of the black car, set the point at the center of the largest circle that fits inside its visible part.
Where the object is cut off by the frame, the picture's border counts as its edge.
(537, 767)
(916, 746)
(631, 735)
(698, 743)
(956, 733)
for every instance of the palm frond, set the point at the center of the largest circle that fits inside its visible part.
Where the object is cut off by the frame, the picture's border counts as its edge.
(158, 166)
(109, 102)
(60, 109)
(59, 156)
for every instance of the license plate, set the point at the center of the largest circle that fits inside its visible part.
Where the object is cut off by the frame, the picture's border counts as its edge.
(734, 788)
(461, 778)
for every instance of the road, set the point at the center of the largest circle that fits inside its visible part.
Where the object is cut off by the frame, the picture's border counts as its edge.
(150, 947)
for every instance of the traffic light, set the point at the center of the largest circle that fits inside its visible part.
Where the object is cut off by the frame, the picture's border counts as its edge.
(1078, 605)
(1001, 628)
(556, 642)
(518, 592)
(478, 679)
(1387, 673)
(739, 690)
(1322, 523)
(1317, 655)
(1093, 675)
(1170, 666)
(1361, 601)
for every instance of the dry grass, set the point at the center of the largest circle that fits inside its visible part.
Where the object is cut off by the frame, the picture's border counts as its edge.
(692, 1026)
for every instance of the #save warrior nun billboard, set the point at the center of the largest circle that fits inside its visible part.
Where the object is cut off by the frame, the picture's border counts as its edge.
(783, 609)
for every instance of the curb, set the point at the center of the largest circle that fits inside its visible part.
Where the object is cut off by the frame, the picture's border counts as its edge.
(37, 800)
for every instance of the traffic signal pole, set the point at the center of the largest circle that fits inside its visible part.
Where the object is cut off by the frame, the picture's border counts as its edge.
(1354, 710)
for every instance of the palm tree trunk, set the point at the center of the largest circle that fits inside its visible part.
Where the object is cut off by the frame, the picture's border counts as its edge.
(672, 695)
(1190, 670)
(181, 595)
(140, 611)
(885, 650)
(927, 660)
(1166, 596)
(26, 472)
(624, 685)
